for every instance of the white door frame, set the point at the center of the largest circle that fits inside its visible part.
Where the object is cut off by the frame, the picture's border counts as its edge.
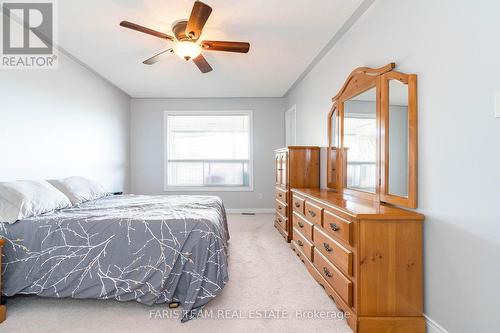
(291, 133)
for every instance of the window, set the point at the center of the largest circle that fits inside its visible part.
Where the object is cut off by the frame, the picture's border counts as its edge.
(208, 151)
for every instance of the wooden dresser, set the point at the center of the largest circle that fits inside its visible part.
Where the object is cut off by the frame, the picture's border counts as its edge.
(3, 309)
(366, 255)
(295, 166)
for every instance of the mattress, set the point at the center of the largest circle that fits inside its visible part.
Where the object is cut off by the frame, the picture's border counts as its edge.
(151, 249)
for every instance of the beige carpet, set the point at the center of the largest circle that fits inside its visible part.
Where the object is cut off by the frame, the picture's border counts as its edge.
(264, 275)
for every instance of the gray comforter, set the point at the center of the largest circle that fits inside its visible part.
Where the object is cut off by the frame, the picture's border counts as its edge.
(151, 249)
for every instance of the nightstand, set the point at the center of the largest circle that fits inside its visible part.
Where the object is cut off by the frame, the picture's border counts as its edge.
(3, 308)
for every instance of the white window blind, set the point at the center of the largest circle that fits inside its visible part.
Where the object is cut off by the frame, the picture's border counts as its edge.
(209, 150)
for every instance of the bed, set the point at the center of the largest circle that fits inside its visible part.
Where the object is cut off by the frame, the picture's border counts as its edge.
(151, 249)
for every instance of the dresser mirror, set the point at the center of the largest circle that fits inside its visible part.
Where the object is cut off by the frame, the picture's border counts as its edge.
(397, 132)
(398, 138)
(359, 140)
(372, 135)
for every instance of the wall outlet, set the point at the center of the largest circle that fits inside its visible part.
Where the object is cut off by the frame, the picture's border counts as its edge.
(259, 196)
(497, 104)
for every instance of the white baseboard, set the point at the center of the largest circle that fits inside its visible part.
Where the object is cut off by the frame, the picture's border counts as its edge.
(250, 210)
(433, 327)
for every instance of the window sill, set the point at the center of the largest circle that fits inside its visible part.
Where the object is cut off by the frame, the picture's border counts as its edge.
(207, 189)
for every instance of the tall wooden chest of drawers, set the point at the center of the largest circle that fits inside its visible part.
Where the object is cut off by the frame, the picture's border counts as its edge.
(366, 255)
(295, 167)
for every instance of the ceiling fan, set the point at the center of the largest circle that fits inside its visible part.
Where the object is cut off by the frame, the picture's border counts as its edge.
(187, 33)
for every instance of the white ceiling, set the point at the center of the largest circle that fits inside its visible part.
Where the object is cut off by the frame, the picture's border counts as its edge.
(285, 36)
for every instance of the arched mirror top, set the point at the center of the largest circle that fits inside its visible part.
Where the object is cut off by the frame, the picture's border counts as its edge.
(360, 80)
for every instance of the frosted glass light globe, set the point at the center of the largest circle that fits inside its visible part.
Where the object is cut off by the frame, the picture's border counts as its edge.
(187, 49)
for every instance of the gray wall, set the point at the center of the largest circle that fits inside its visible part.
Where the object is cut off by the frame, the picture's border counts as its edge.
(147, 144)
(63, 122)
(453, 47)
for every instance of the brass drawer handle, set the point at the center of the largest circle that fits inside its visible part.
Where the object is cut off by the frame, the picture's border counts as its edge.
(280, 195)
(300, 224)
(300, 243)
(334, 227)
(313, 214)
(297, 204)
(327, 247)
(327, 272)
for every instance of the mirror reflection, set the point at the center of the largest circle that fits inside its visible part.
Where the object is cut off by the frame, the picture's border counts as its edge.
(334, 123)
(360, 141)
(398, 139)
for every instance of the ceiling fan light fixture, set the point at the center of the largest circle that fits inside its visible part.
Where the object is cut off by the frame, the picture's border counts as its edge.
(187, 44)
(186, 49)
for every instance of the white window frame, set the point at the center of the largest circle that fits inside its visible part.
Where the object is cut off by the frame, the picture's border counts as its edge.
(168, 188)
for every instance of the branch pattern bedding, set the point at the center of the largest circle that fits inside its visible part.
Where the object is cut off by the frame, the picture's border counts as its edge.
(152, 249)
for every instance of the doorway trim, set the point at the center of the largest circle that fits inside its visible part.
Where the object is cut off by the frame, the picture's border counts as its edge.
(291, 126)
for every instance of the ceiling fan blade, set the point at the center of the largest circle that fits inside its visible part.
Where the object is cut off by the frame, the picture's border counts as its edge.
(202, 64)
(197, 20)
(213, 45)
(156, 58)
(140, 28)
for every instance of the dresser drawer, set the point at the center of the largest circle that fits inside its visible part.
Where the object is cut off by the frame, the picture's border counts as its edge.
(313, 213)
(281, 208)
(341, 284)
(304, 226)
(351, 317)
(281, 230)
(333, 251)
(298, 205)
(281, 195)
(298, 251)
(281, 221)
(338, 227)
(304, 244)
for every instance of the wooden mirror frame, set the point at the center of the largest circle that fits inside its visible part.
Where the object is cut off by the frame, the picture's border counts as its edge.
(359, 81)
(411, 81)
(333, 169)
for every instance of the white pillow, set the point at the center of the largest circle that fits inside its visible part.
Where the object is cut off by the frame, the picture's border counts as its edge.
(79, 189)
(26, 198)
